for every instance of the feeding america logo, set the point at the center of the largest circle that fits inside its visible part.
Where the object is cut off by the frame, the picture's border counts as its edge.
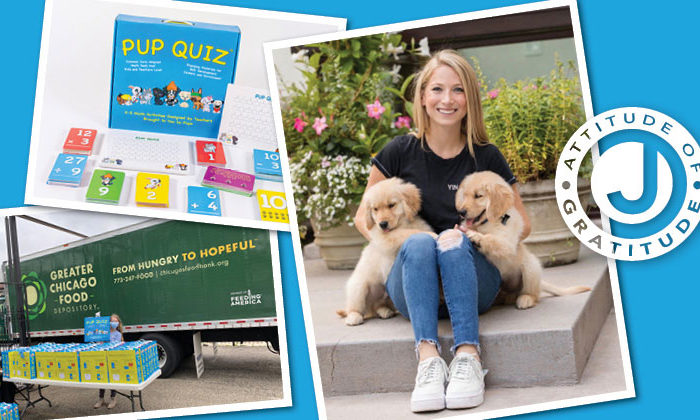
(648, 181)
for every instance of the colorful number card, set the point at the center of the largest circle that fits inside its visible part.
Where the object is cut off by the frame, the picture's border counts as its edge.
(105, 187)
(67, 170)
(210, 153)
(229, 180)
(152, 189)
(202, 200)
(267, 165)
(273, 206)
(80, 141)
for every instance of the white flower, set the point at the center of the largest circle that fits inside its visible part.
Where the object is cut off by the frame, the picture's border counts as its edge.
(423, 48)
(395, 77)
(395, 51)
(300, 56)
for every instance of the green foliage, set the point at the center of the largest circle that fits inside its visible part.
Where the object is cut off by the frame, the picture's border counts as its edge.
(327, 114)
(531, 120)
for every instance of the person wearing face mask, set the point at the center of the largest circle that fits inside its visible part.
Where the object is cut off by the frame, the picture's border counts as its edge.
(449, 143)
(115, 336)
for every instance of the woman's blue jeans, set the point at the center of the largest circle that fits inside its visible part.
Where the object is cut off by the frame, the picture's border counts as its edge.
(469, 282)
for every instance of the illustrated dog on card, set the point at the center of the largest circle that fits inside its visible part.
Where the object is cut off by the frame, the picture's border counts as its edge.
(391, 212)
(494, 225)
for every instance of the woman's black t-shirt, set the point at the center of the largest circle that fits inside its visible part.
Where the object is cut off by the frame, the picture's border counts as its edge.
(437, 178)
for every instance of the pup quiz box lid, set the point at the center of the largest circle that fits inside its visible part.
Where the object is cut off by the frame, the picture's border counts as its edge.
(171, 76)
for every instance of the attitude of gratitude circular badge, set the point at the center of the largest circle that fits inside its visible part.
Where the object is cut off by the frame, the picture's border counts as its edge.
(631, 184)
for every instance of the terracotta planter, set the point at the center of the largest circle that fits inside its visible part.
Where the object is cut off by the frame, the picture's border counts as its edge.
(340, 247)
(551, 240)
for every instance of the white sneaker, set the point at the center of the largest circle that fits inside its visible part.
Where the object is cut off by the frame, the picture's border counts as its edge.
(466, 387)
(429, 393)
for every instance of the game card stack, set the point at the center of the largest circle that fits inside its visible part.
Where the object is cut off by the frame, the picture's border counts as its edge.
(202, 200)
(210, 153)
(229, 180)
(80, 141)
(105, 187)
(152, 190)
(267, 165)
(67, 170)
(273, 206)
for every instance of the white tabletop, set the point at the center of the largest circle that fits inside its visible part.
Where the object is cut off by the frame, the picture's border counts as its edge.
(92, 385)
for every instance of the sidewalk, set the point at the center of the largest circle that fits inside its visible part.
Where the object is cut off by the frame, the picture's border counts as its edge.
(603, 374)
(542, 352)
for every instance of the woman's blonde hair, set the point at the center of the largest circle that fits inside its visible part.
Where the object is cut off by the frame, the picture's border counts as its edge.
(120, 327)
(473, 123)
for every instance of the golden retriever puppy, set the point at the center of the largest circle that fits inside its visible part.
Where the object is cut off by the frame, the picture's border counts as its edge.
(391, 209)
(494, 225)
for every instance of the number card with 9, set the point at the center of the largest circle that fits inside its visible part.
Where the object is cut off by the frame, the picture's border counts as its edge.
(105, 187)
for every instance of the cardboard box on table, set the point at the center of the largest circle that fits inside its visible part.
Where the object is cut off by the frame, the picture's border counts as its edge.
(132, 362)
(67, 366)
(26, 363)
(93, 363)
(46, 366)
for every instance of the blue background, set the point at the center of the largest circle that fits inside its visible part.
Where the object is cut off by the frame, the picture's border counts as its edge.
(638, 54)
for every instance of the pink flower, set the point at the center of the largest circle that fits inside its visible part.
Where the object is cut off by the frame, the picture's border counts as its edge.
(325, 163)
(299, 124)
(404, 121)
(319, 125)
(529, 87)
(494, 93)
(375, 110)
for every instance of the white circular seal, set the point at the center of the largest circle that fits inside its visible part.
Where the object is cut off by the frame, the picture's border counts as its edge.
(604, 243)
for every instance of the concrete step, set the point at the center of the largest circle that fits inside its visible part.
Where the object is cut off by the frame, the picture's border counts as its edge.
(545, 345)
(603, 379)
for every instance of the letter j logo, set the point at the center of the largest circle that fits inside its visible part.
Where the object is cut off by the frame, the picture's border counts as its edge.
(633, 182)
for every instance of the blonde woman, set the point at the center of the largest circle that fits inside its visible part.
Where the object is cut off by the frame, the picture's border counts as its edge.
(450, 142)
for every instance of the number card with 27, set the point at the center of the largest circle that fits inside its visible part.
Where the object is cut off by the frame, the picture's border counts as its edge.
(67, 170)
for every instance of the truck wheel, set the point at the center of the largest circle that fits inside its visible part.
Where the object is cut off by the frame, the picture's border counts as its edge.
(169, 353)
(275, 343)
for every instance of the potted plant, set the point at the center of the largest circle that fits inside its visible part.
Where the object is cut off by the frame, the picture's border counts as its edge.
(530, 121)
(335, 121)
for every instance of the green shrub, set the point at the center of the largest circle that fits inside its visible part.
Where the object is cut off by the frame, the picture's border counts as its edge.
(531, 120)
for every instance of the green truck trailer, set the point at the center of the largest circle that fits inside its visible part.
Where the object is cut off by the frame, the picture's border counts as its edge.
(167, 280)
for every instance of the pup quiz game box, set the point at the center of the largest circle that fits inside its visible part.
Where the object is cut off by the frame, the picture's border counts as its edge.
(171, 76)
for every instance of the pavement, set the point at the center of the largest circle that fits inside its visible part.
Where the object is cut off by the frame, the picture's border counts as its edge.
(602, 378)
(565, 348)
(236, 374)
